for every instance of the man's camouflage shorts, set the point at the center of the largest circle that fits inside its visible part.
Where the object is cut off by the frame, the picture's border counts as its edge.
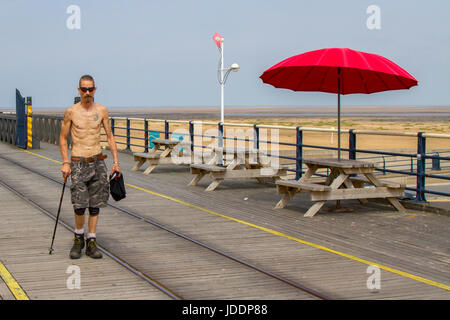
(90, 186)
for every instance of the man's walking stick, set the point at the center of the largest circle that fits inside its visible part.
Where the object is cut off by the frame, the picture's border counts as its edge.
(57, 216)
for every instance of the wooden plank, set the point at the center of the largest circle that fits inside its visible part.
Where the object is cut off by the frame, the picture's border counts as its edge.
(392, 199)
(346, 194)
(150, 169)
(333, 175)
(342, 163)
(207, 167)
(138, 165)
(197, 178)
(308, 174)
(289, 194)
(397, 205)
(165, 153)
(213, 185)
(234, 164)
(166, 142)
(338, 181)
(314, 209)
(146, 155)
(357, 170)
(303, 185)
(247, 173)
(383, 183)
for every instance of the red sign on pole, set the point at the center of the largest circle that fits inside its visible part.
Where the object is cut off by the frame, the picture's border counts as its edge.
(218, 39)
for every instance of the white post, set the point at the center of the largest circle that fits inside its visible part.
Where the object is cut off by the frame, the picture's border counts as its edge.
(222, 87)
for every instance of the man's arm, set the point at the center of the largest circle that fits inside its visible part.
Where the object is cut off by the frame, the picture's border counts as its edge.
(65, 127)
(111, 141)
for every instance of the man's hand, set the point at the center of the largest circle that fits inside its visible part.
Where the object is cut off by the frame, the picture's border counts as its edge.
(115, 168)
(65, 169)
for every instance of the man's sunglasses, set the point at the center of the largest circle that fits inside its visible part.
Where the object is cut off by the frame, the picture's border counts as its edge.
(84, 89)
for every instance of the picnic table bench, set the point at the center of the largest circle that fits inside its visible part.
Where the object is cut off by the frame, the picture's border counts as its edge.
(171, 155)
(240, 167)
(340, 184)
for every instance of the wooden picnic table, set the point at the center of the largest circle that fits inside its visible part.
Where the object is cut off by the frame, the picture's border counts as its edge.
(243, 164)
(170, 155)
(342, 183)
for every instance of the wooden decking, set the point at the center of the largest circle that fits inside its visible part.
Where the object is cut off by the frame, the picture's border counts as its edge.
(330, 253)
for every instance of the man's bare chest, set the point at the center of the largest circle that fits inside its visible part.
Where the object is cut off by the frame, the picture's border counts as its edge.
(87, 121)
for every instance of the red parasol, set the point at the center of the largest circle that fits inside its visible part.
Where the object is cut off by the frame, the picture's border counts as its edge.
(338, 70)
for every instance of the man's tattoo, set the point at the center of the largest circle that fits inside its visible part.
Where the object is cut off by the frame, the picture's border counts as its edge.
(96, 117)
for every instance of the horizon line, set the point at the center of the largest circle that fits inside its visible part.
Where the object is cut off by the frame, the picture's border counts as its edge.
(247, 106)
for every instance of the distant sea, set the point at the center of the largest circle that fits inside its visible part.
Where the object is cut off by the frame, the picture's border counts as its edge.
(347, 114)
(235, 112)
(286, 112)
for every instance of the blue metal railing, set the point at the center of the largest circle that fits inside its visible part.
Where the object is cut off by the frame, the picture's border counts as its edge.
(420, 165)
(409, 164)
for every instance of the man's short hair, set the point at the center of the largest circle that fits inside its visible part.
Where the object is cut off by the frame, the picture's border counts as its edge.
(86, 77)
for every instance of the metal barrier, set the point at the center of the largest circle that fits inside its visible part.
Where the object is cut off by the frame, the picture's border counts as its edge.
(8, 125)
(410, 164)
(16, 127)
(47, 128)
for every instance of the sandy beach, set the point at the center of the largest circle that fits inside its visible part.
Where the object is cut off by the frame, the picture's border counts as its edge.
(434, 119)
(381, 119)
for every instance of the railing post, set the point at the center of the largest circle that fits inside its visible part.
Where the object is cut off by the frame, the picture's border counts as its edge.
(55, 125)
(21, 124)
(166, 129)
(191, 135)
(128, 135)
(145, 135)
(299, 153)
(113, 126)
(352, 145)
(256, 136)
(420, 185)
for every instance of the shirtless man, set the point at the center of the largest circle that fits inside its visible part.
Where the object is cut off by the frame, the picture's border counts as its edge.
(90, 186)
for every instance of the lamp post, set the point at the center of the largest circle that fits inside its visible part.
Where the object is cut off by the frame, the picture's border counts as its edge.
(223, 73)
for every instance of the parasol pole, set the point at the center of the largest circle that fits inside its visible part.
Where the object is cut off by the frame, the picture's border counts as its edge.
(338, 203)
(339, 113)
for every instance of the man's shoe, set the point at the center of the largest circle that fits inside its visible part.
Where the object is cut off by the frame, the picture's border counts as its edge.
(78, 245)
(91, 249)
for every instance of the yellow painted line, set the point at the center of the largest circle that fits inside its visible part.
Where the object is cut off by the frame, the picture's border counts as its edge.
(311, 244)
(40, 156)
(12, 284)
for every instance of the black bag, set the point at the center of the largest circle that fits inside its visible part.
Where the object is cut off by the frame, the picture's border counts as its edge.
(117, 186)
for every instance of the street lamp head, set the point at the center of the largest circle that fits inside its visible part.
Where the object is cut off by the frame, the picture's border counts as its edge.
(234, 67)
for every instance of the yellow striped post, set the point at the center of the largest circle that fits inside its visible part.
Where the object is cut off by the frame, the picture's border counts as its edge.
(29, 124)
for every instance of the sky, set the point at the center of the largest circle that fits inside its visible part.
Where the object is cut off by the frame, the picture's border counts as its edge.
(160, 53)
